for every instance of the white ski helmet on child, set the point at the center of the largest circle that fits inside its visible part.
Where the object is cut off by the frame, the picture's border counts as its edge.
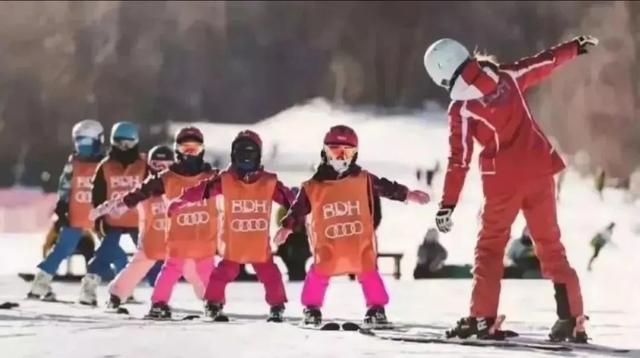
(88, 128)
(442, 59)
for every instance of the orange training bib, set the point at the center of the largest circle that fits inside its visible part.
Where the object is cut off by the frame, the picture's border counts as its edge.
(80, 195)
(246, 218)
(340, 225)
(192, 230)
(120, 181)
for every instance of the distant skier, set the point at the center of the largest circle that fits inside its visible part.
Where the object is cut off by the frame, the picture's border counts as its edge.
(337, 205)
(600, 181)
(244, 194)
(430, 174)
(517, 165)
(431, 255)
(522, 254)
(74, 202)
(599, 241)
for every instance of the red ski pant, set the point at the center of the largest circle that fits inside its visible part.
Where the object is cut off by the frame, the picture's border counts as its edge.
(536, 199)
(268, 273)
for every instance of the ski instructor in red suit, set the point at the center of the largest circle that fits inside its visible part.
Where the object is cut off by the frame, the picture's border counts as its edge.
(517, 163)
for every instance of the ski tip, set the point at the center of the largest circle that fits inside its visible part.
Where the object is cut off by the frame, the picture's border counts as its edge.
(367, 331)
(190, 317)
(9, 305)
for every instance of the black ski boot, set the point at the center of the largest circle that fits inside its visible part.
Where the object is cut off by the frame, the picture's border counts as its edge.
(481, 327)
(213, 310)
(376, 318)
(276, 314)
(114, 305)
(114, 302)
(312, 316)
(570, 329)
(159, 310)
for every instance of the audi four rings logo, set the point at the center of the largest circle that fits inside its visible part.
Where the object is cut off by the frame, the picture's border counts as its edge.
(83, 196)
(340, 230)
(161, 224)
(196, 218)
(249, 225)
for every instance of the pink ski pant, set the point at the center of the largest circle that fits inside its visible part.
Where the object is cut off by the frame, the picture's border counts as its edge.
(316, 284)
(195, 271)
(135, 271)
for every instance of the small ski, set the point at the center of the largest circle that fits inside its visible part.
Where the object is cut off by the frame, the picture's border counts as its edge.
(325, 326)
(190, 317)
(119, 310)
(56, 300)
(353, 326)
(350, 326)
(218, 319)
(9, 305)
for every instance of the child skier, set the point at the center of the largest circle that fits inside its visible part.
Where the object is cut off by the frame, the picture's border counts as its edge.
(244, 194)
(122, 170)
(74, 202)
(190, 235)
(338, 200)
(152, 228)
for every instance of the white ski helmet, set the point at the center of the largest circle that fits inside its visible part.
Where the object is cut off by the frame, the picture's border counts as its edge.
(442, 59)
(88, 128)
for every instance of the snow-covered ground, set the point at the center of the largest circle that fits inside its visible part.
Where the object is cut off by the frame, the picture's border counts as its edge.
(391, 146)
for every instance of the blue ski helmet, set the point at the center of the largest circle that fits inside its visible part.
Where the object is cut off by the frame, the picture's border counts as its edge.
(124, 135)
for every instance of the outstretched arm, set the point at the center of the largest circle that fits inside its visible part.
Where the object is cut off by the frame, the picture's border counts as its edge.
(152, 186)
(529, 71)
(204, 190)
(386, 188)
(283, 195)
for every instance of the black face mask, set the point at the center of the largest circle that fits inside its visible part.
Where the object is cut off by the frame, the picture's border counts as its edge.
(245, 157)
(125, 157)
(191, 164)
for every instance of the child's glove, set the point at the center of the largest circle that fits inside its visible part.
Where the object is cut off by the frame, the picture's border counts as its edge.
(115, 208)
(418, 197)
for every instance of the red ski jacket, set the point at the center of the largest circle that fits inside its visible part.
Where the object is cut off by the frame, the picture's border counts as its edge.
(488, 105)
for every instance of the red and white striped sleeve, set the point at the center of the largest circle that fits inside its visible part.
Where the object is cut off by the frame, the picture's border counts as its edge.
(460, 152)
(529, 71)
